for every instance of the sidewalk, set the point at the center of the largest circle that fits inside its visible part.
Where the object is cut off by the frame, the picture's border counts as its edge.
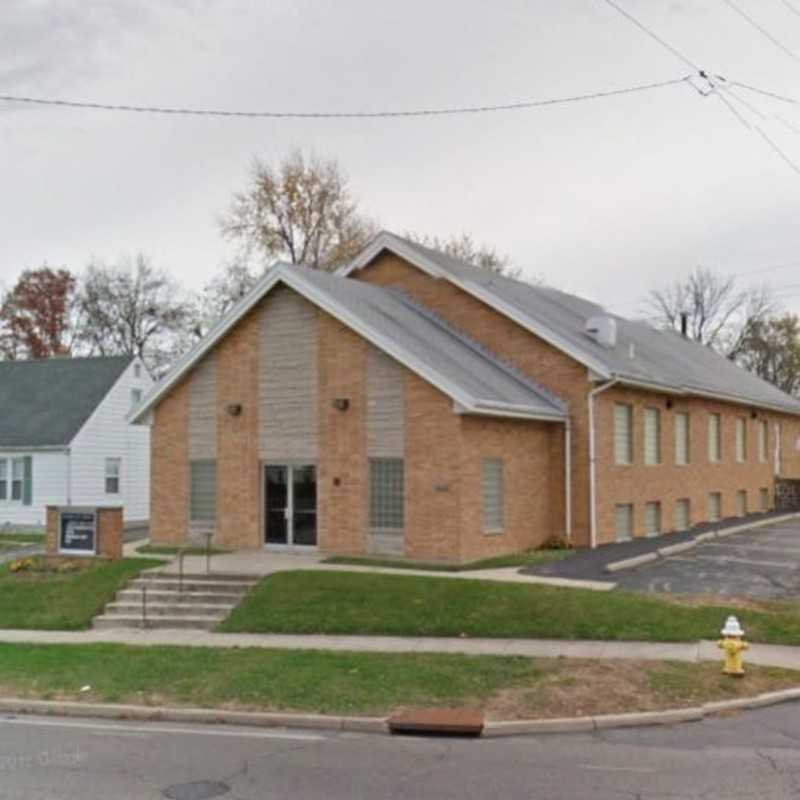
(763, 654)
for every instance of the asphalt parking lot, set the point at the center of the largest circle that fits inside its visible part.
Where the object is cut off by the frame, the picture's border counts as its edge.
(762, 563)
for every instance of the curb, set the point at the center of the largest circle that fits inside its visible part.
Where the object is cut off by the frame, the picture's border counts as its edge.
(379, 725)
(681, 547)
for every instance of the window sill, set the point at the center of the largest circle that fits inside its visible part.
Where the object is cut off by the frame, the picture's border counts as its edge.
(498, 532)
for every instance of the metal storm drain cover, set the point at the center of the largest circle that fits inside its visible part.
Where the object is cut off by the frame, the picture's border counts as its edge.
(199, 790)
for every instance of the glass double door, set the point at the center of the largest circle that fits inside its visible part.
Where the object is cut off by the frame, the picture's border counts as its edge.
(290, 505)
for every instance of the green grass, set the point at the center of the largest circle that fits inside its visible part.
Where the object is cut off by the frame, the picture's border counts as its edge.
(406, 605)
(169, 550)
(526, 559)
(51, 601)
(318, 681)
(12, 539)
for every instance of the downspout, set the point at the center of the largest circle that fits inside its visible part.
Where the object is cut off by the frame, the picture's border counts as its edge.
(592, 460)
(568, 479)
(69, 476)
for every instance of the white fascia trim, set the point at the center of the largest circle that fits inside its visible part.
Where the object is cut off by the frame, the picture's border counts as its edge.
(386, 241)
(506, 411)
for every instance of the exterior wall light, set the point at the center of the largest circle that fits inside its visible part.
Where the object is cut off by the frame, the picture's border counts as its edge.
(234, 409)
(341, 403)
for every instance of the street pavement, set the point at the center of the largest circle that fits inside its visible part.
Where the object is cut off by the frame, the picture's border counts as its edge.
(751, 755)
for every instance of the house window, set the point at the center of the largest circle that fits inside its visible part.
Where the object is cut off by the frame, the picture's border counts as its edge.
(763, 496)
(714, 437)
(17, 478)
(741, 440)
(652, 436)
(386, 492)
(203, 491)
(623, 517)
(136, 397)
(682, 514)
(681, 438)
(714, 507)
(652, 519)
(3, 479)
(762, 442)
(137, 370)
(493, 495)
(623, 434)
(741, 503)
(113, 467)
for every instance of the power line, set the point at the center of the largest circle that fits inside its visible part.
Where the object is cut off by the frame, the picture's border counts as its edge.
(791, 7)
(762, 30)
(428, 112)
(767, 93)
(642, 27)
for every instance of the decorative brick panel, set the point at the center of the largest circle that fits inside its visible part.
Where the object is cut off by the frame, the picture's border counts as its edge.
(787, 495)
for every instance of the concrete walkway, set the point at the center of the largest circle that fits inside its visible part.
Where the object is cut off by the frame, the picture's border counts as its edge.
(767, 655)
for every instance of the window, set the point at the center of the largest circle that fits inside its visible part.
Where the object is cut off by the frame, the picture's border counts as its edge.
(763, 496)
(203, 491)
(762, 442)
(623, 515)
(493, 495)
(714, 437)
(17, 477)
(386, 493)
(652, 519)
(137, 370)
(682, 514)
(136, 397)
(3, 479)
(741, 503)
(681, 438)
(741, 440)
(113, 467)
(623, 434)
(652, 436)
(714, 507)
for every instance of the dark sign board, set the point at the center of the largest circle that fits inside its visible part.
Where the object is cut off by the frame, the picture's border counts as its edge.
(78, 532)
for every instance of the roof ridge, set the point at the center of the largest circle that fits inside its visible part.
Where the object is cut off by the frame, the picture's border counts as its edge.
(478, 348)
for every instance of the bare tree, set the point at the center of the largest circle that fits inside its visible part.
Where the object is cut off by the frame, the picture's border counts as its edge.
(300, 211)
(132, 308)
(717, 312)
(464, 247)
(771, 349)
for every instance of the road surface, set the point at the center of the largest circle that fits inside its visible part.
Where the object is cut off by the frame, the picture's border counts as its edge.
(752, 755)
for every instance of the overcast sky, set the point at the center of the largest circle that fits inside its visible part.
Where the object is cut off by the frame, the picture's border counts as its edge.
(607, 198)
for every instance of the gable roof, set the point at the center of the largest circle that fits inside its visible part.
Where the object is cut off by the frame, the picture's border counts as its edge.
(643, 355)
(46, 402)
(476, 381)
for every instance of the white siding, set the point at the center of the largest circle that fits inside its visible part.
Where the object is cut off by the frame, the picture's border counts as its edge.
(49, 488)
(107, 434)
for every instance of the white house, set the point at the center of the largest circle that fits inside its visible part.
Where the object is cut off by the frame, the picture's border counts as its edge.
(65, 438)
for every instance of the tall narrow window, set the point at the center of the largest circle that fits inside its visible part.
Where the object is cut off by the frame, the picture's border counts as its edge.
(17, 477)
(493, 495)
(113, 469)
(203, 492)
(623, 434)
(386, 493)
(741, 503)
(763, 496)
(762, 441)
(714, 437)
(652, 519)
(681, 438)
(714, 507)
(623, 518)
(741, 440)
(682, 514)
(136, 397)
(137, 370)
(652, 436)
(3, 479)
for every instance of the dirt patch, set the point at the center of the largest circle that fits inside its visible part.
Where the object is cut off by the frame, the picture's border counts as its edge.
(699, 600)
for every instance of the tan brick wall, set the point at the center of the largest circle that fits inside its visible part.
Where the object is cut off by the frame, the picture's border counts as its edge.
(51, 530)
(169, 468)
(238, 473)
(109, 532)
(342, 474)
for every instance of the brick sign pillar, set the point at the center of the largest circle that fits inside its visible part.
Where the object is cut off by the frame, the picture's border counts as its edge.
(106, 523)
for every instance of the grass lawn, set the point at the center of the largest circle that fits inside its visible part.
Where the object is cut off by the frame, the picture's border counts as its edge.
(364, 683)
(12, 540)
(525, 559)
(168, 550)
(53, 601)
(410, 605)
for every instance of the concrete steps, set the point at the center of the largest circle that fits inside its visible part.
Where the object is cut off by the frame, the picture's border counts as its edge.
(164, 600)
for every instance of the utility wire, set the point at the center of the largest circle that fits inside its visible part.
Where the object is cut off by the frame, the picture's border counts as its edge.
(774, 95)
(428, 112)
(642, 27)
(791, 7)
(762, 30)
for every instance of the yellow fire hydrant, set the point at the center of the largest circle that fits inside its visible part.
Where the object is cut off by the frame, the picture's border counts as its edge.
(732, 645)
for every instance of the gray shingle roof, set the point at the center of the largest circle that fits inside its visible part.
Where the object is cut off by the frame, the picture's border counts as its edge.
(660, 357)
(46, 402)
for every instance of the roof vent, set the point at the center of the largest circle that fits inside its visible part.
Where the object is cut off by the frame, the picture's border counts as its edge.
(603, 329)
